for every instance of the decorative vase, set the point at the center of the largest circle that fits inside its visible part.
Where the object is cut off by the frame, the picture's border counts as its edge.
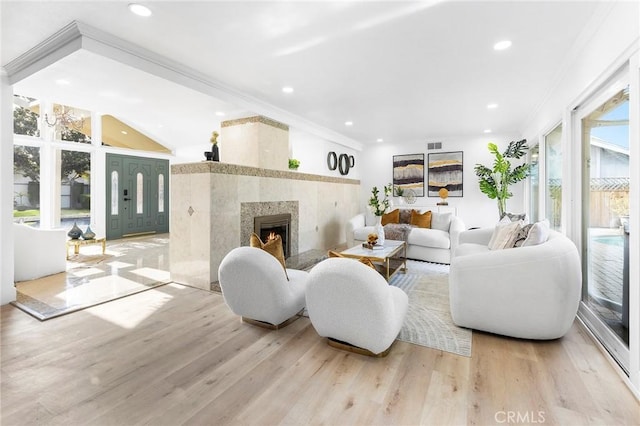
(88, 234)
(215, 153)
(75, 232)
(379, 230)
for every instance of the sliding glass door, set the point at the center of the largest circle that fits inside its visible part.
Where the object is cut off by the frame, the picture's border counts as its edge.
(604, 130)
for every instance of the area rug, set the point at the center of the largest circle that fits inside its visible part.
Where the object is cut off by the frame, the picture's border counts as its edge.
(428, 322)
(128, 267)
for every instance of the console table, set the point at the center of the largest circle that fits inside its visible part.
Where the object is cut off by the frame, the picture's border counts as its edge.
(77, 243)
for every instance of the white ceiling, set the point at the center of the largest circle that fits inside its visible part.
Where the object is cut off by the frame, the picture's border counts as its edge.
(401, 71)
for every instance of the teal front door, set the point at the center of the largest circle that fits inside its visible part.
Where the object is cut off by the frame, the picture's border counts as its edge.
(137, 196)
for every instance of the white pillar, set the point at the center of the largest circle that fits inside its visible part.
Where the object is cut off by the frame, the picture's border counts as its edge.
(7, 288)
(98, 173)
(49, 173)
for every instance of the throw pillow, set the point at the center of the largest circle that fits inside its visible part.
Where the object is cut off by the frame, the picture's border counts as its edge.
(391, 217)
(441, 221)
(405, 216)
(514, 217)
(363, 260)
(273, 247)
(503, 234)
(522, 235)
(538, 234)
(421, 220)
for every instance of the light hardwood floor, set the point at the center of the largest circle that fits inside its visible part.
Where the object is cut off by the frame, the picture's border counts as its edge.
(177, 355)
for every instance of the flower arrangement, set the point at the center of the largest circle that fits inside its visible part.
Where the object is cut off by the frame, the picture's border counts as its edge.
(379, 207)
(214, 138)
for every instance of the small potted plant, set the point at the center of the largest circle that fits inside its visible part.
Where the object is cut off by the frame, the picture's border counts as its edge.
(294, 164)
(399, 192)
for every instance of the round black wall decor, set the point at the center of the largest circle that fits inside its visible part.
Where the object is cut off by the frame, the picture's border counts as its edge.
(343, 164)
(352, 161)
(332, 160)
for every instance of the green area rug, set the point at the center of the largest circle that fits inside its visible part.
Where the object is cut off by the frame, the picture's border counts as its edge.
(428, 322)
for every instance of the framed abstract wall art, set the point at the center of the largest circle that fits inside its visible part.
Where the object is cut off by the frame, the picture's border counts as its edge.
(445, 171)
(408, 173)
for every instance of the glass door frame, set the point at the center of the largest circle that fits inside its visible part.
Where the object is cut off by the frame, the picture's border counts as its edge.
(612, 343)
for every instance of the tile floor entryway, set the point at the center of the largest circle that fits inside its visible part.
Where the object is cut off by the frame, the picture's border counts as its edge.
(129, 266)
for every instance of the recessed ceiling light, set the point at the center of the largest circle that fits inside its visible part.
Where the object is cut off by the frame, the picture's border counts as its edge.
(348, 123)
(220, 113)
(62, 82)
(501, 45)
(287, 89)
(487, 130)
(123, 132)
(492, 106)
(139, 9)
(379, 140)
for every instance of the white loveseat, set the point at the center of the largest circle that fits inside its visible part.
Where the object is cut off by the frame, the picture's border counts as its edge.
(432, 245)
(526, 292)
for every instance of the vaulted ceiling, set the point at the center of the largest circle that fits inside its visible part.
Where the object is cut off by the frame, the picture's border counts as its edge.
(399, 71)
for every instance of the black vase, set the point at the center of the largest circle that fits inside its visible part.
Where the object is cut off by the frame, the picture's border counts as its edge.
(215, 153)
(75, 232)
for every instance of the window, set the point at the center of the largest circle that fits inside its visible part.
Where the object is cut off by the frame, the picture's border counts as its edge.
(26, 116)
(26, 182)
(534, 184)
(70, 124)
(139, 193)
(553, 176)
(75, 190)
(160, 193)
(114, 193)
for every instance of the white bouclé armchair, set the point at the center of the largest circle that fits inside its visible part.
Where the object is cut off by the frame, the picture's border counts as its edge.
(255, 287)
(352, 303)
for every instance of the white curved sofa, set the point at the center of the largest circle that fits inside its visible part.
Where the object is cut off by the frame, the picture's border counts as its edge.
(526, 292)
(38, 252)
(430, 245)
(352, 303)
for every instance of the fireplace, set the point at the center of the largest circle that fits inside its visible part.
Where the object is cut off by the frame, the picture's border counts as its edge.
(279, 224)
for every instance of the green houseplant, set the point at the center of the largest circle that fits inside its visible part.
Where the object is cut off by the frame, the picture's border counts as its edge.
(495, 181)
(294, 164)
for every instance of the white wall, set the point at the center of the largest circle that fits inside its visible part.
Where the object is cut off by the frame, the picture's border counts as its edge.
(7, 289)
(474, 207)
(312, 152)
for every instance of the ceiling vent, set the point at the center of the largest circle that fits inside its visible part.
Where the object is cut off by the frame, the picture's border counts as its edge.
(434, 145)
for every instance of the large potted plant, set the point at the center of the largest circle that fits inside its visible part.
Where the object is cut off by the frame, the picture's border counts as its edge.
(495, 181)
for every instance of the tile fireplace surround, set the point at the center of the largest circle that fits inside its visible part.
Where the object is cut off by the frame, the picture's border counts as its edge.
(213, 205)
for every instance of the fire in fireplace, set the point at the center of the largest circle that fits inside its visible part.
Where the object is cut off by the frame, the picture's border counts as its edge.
(278, 224)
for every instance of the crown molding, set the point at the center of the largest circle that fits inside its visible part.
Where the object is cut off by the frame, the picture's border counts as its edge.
(78, 35)
(64, 42)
